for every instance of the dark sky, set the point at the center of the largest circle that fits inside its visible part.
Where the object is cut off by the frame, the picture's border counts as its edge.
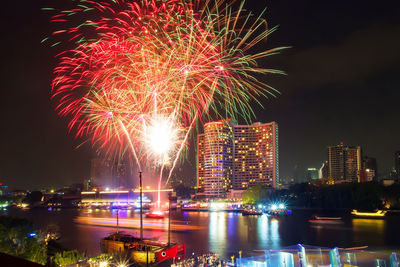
(342, 85)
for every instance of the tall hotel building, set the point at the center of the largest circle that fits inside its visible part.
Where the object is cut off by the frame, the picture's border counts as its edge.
(344, 163)
(236, 157)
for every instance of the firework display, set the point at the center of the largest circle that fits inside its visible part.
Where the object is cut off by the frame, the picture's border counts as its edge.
(141, 74)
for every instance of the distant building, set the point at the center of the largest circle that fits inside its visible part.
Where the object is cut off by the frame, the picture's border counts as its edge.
(122, 198)
(19, 193)
(397, 164)
(344, 163)
(236, 157)
(366, 175)
(3, 190)
(87, 184)
(286, 182)
(312, 174)
(297, 175)
(106, 173)
(369, 164)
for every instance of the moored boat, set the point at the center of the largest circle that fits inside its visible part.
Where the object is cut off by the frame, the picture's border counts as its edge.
(142, 251)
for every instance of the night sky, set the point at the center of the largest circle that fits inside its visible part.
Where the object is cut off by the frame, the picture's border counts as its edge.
(342, 85)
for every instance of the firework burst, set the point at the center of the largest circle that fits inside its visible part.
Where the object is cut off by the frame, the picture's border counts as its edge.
(143, 73)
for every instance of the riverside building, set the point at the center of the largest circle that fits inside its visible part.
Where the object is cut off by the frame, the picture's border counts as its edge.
(234, 157)
(344, 163)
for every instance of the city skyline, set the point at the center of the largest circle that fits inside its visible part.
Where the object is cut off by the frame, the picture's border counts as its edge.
(351, 99)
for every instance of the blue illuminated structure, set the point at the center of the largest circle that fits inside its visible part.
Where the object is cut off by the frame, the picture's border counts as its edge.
(304, 256)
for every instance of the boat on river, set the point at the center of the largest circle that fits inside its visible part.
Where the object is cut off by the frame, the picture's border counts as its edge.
(247, 212)
(326, 220)
(155, 214)
(140, 250)
(378, 214)
(143, 251)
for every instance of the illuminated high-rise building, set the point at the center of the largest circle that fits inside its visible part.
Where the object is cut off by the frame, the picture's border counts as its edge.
(200, 163)
(214, 159)
(236, 157)
(344, 163)
(256, 155)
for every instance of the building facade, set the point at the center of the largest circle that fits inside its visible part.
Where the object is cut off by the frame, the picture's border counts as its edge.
(344, 163)
(255, 155)
(234, 157)
(216, 159)
(367, 175)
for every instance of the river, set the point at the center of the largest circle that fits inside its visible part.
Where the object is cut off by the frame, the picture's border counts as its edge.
(226, 233)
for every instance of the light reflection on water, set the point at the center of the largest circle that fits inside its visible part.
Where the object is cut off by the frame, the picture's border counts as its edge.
(362, 228)
(262, 228)
(225, 233)
(217, 232)
(274, 233)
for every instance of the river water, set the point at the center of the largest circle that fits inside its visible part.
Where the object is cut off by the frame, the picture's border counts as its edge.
(226, 233)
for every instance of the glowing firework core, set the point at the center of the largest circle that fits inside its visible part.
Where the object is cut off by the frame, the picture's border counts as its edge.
(161, 136)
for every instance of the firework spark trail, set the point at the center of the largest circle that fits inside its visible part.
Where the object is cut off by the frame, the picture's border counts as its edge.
(145, 64)
(181, 147)
(130, 144)
(159, 188)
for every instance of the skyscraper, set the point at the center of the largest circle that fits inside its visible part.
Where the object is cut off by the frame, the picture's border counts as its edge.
(200, 163)
(214, 159)
(236, 157)
(344, 162)
(256, 155)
